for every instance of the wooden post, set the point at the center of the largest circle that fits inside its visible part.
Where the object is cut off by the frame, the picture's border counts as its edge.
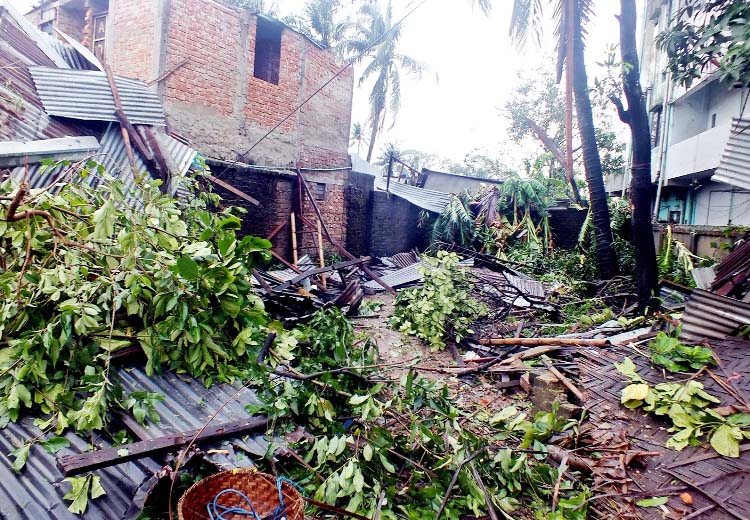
(294, 240)
(320, 254)
(341, 249)
(390, 172)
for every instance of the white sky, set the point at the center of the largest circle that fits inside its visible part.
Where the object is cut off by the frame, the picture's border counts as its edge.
(453, 109)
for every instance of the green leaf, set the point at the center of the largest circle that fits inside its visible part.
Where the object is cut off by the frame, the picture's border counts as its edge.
(188, 268)
(97, 489)
(104, 220)
(55, 444)
(21, 456)
(79, 494)
(358, 399)
(653, 502)
(629, 370)
(636, 392)
(367, 452)
(725, 440)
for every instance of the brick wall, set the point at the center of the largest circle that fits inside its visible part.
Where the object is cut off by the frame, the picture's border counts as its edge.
(133, 36)
(276, 193)
(215, 101)
(358, 193)
(566, 224)
(393, 227)
(70, 19)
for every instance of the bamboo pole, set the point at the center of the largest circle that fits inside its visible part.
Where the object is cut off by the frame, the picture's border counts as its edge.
(320, 254)
(294, 239)
(533, 342)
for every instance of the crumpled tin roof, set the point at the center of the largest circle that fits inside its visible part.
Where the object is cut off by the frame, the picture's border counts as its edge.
(710, 316)
(86, 94)
(429, 200)
(734, 167)
(37, 491)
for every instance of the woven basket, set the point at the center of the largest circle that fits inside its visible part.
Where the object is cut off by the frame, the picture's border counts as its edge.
(260, 488)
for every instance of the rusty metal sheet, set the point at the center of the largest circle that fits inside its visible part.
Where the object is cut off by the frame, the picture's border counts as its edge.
(710, 316)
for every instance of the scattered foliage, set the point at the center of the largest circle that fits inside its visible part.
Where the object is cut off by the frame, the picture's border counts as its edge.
(667, 351)
(687, 407)
(92, 272)
(442, 307)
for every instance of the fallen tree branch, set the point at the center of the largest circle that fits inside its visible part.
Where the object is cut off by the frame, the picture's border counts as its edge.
(455, 478)
(487, 498)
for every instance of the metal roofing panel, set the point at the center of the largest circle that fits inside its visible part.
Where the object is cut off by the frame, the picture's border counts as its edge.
(429, 200)
(188, 404)
(405, 276)
(734, 167)
(709, 316)
(15, 153)
(181, 154)
(22, 116)
(37, 491)
(42, 41)
(86, 94)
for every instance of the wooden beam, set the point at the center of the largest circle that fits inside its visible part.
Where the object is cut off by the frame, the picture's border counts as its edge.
(536, 342)
(93, 460)
(169, 72)
(234, 190)
(319, 270)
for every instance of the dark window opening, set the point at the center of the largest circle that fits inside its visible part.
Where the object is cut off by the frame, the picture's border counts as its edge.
(656, 126)
(46, 27)
(713, 120)
(675, 217)
(320, 191)
(267, 51)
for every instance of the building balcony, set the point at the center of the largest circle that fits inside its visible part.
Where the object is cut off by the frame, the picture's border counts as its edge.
(696, 154)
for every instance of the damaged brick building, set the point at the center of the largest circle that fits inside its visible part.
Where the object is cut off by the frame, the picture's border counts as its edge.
(227, 76)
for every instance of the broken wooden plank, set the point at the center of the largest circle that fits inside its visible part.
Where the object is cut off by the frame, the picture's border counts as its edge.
(535, 342)
(169, 72)
(319, 270)
(564, 380)
(232, 189)
(104, 458)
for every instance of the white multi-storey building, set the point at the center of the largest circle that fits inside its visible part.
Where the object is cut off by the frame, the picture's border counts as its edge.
(700, 160)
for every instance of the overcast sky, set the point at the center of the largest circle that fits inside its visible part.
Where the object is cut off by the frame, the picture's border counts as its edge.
(473, 67)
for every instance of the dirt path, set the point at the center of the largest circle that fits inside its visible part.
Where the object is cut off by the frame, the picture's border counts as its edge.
(478, 393)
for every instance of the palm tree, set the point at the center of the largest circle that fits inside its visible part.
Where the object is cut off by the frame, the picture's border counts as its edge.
(357, 137)
(385, 65)
(570, 17)
(318, 22)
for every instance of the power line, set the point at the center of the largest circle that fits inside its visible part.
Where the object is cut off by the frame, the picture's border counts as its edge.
(324, 85)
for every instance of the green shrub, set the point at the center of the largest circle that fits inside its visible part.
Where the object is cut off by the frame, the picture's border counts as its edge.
(443, 307)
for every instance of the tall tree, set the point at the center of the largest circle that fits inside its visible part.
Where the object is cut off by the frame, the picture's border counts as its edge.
(570, 18)
(636, 117)
(357, 137)
(385, 65)
(321, 23)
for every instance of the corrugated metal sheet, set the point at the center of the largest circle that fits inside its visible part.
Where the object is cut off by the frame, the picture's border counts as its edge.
(42, 41)
(22, 116)
(709, 316)
(188, 404)
(429, 200)
(15, 153)
(181, 154)
(407, 275)
(37, 492)
(734, 167)
(85, 94)
(733, 273)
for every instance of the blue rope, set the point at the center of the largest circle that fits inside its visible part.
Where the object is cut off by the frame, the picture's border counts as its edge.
(217, 511)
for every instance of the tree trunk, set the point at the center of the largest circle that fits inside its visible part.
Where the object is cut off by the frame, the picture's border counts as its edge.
(605, 253)
(373, 136)
(636, 117)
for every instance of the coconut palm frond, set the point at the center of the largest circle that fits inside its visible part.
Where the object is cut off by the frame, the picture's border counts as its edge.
(455, 224)
(488, 206)
(526, 17)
